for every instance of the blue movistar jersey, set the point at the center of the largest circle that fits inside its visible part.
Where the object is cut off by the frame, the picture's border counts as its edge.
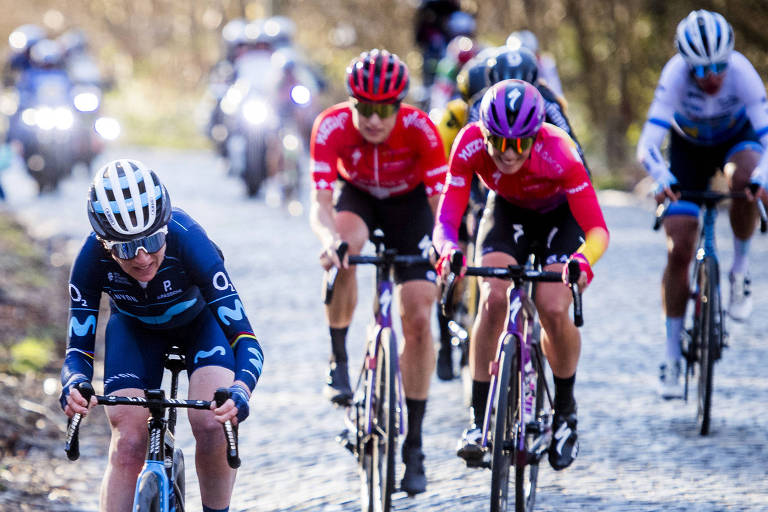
(191, 277)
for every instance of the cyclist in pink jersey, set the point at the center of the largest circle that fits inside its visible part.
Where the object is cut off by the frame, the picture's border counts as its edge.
(387, 163)
(541, 201)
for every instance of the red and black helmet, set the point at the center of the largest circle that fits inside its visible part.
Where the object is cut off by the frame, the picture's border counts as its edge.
(377, 76)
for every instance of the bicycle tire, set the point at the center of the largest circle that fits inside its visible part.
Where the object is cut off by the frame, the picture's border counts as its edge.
(379, 460)
(710, 339)
(148, 498)
(503, 419)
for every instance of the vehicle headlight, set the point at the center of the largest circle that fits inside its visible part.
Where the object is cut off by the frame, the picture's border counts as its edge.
(300, 95)
(63, 118)
(45, 118)
(86, 102)
(107, 127)
(29, 116)
(255, 111)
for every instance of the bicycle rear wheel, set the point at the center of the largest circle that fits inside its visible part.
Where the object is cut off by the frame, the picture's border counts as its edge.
(148, 498)
(710, 338)
(503, 419)
(379, 458)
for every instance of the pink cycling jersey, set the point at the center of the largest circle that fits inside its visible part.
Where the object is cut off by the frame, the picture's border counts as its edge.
(552, 175)
(413, 154)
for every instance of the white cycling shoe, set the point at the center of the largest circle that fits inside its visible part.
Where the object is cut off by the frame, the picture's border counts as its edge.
(669, 380)
(740, 298)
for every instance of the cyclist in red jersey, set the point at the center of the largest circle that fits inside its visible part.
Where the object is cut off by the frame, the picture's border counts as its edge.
(386, 161)
(541, 200)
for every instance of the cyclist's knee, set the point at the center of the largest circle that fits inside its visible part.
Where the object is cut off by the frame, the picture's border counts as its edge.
(494, 298)
(206, 430)
(128, 448)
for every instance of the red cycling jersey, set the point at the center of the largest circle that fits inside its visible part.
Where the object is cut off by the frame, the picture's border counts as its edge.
(412, 154)
(552, 175)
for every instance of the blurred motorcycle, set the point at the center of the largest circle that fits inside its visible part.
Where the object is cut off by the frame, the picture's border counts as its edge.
(265, 115)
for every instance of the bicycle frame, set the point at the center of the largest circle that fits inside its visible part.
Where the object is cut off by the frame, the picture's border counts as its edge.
(519, 328)
(382, 319)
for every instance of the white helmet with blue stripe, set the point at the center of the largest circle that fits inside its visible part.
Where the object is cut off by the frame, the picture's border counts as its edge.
(127, 201)
(704, 38)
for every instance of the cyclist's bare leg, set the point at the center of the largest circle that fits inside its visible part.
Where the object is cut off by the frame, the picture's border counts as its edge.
(743, 213)
(127, 448)
(215, 476)
(351, 229)
(681, 233)
(492, 311)
(560, 339)
(417, 361)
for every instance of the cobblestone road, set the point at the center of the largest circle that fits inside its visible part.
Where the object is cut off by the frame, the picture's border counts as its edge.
(637, 453)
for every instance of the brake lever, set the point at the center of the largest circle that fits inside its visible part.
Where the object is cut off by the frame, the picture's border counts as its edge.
(332, 273)
(574, 271)
(446, 299)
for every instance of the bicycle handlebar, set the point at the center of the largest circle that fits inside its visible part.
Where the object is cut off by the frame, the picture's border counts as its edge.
(72, 444)
(516, 273)
(333, 272)
(710, 197)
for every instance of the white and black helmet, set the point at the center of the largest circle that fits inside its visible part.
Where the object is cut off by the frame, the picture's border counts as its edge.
(704, 38)
(127, 201)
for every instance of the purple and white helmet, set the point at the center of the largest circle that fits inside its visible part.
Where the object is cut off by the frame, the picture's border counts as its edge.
(512, 109)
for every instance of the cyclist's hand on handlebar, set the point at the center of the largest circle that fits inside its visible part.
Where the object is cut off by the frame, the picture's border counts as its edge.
(329, 257)
(443, 265)
(585, 275)
(235, 408)
(665, 192)
(755, 190)
(72, 401)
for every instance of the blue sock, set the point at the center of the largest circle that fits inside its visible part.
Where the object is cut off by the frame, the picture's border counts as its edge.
(209, 509)
(740, 252)
(674, 330)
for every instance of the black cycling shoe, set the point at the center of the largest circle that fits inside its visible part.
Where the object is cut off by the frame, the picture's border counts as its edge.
(414, 479)
(565, 440)
(445, 362)
(337, 388)
(471, 450)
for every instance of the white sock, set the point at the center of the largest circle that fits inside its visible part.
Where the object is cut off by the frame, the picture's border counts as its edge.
(674, 330)
(740, 253)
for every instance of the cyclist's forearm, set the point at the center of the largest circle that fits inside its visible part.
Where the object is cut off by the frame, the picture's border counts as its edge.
(321, 217)
(249, 360)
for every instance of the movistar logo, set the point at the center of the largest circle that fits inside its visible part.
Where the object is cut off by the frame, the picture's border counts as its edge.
(203, 353)
(78, 329)
(165, 317)
(236, 313)
(258, 360)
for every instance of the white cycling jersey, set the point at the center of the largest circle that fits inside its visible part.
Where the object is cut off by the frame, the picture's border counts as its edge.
(701, 118)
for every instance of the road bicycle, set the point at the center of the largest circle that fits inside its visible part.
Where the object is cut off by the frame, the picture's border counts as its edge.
(517, 427)
(704, 341)
(160, 484)
(375, 419)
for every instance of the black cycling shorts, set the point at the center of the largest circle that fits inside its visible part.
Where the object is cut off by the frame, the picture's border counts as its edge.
(406, 221)
(553, 236)
(694, 165)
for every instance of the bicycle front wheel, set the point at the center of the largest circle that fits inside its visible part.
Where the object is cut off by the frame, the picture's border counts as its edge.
(710, 338)
(503, 419)
(379, 459)
(148, 497)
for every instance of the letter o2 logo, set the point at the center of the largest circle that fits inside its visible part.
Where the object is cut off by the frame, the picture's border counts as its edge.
(220, 281)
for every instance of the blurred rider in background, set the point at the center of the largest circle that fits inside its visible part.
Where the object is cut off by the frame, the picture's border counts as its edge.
(546, 63)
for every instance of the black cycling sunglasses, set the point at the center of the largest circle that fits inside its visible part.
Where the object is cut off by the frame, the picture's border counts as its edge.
(383, 110)
(518, 145)
(129, 250)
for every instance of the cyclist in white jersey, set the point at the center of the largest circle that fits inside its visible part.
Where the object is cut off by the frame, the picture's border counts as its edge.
(712, 103)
